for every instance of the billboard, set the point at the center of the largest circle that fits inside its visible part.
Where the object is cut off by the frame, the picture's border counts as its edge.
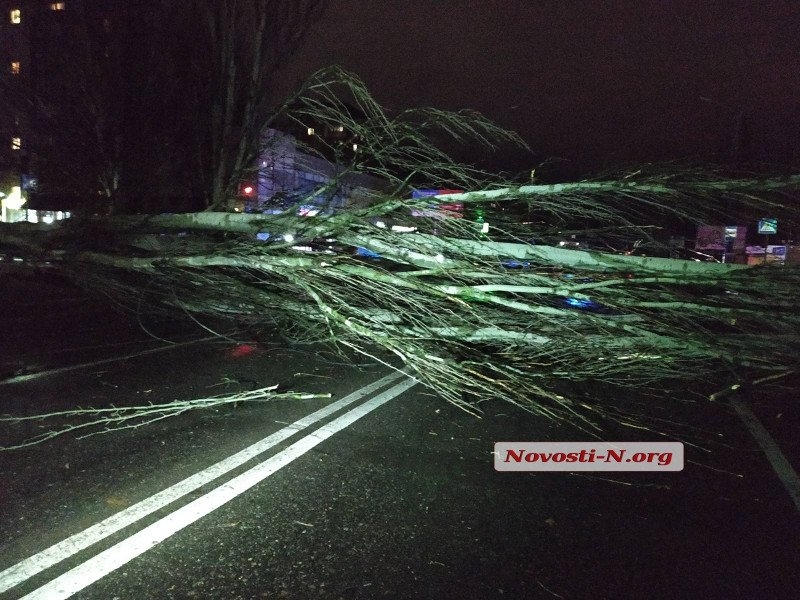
(774, 255)
(768, 226)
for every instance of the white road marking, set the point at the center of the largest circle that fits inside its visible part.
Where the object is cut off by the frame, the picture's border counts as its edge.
(121, 553)
(45, 559)
(782, 467)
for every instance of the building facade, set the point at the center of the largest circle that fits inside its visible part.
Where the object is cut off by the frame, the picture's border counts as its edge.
(289, 177)
(14, 72)
(57, 60)
(25, 25)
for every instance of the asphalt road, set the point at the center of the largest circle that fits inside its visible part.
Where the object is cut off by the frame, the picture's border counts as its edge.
(391, 493)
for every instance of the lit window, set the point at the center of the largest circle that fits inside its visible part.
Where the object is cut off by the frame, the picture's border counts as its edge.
(310, 131)
(15, 67)
(16, 16)
(57, 6)
(16, 143)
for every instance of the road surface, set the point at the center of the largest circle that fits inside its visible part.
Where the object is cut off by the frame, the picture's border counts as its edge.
(380, 491)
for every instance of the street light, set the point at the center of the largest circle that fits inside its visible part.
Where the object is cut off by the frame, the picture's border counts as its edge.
(12, 201)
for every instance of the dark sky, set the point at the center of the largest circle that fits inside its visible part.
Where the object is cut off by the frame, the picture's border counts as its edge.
(599, 84)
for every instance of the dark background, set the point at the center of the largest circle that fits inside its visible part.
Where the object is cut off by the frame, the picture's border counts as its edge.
(589, 85)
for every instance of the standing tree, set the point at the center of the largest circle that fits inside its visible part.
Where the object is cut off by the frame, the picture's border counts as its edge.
(229, 50)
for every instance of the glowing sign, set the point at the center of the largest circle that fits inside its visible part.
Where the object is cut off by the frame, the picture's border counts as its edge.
(452, 210)
(768, 226)
(424, 193)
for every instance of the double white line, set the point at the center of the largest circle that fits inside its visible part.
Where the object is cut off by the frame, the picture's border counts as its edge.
(119, 554)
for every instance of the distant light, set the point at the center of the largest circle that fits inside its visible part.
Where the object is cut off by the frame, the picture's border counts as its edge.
(355, 147)
(515, 264)
(14, 200)
(288, 238)
(57, 6)
(16, 16)
(262, 236)
(366, 252)
(403, 228)
(581, 303)
(15, 67)
(48, 218)
(340, 128)
(242, 350)
(16, 143)
(310, 131)
(380, 225)
(303, 248)
(248, 189)
(485, 228)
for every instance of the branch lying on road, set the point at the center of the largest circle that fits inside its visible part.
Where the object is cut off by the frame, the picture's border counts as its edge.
(87, 422)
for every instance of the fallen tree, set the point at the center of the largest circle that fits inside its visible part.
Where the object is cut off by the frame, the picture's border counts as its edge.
(475, 314)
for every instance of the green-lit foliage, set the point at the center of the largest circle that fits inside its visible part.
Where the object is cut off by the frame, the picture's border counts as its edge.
(479, 315)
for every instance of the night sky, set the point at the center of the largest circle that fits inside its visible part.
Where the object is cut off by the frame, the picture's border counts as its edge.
(596, 85)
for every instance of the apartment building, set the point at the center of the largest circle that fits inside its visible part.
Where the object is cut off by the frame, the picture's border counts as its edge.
(24, 25)
(14, 64)
(47, 62)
